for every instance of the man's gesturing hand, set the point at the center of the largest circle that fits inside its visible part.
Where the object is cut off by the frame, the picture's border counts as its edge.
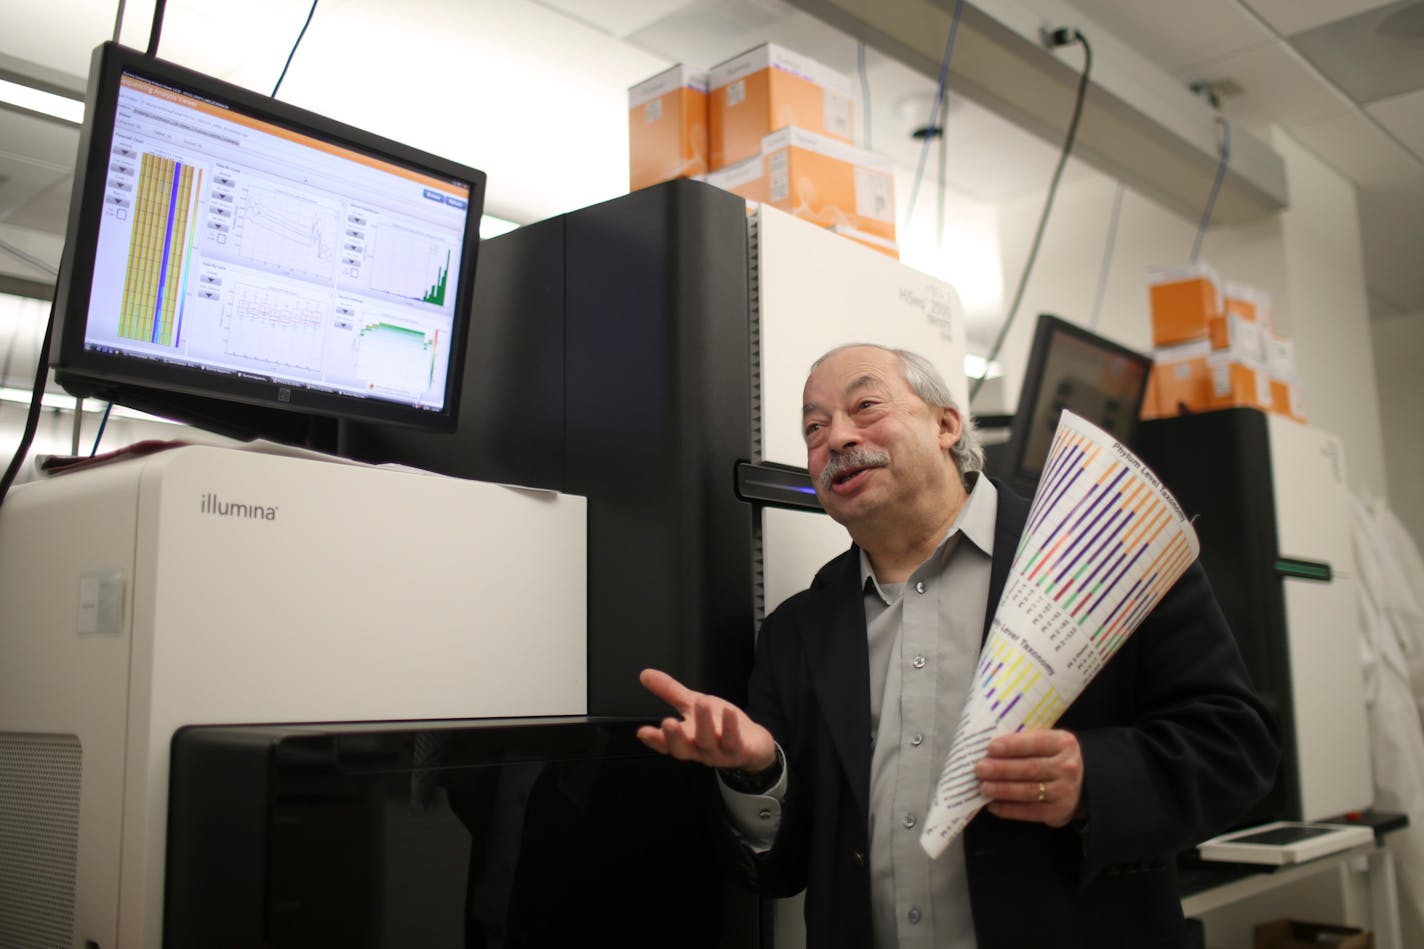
(712, 731)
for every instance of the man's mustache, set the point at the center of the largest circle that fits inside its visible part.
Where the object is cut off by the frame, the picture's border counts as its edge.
(850, 460)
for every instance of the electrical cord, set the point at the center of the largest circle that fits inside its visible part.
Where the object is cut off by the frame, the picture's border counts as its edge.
(1224, 127)
(936, 111)
(1107, 256)
(864, 94)
(310, 13)
(103, 421)
(1060, 37)
(32, 419)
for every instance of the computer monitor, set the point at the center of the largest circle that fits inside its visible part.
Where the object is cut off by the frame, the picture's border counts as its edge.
(232, 260)
(1070, 367)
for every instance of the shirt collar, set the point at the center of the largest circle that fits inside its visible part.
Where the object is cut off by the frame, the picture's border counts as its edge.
(975, 522)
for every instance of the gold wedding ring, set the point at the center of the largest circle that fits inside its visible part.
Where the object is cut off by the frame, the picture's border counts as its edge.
(1042, 792)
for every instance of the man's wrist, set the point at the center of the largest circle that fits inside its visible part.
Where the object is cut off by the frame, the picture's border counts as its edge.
(754, 782)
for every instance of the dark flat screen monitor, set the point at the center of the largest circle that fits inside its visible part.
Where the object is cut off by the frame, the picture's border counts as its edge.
(228, 249)
(1070, 367)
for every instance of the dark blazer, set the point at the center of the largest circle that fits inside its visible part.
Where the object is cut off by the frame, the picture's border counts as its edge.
(1175, 747)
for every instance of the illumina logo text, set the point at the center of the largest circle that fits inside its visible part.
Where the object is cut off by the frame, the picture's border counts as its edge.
(210, 504)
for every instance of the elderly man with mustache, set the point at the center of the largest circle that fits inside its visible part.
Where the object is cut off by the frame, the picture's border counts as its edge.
(858, 685)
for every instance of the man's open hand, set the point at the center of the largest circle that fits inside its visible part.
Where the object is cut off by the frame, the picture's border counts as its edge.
(711, 731)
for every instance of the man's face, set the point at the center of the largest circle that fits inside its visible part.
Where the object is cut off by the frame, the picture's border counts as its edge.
(872, 445)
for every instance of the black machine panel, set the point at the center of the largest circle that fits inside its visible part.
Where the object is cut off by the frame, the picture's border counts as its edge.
(517, 834)
(1218, 466)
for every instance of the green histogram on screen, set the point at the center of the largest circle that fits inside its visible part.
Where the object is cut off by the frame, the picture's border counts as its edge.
(436, 294)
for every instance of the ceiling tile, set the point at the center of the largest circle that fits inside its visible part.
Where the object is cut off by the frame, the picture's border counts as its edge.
(1404, 117)
(1276, 86)
(1293, 16)
(616, 17)
(1173, 35)
(60, 34)
(1373, 55)
(1357, 148)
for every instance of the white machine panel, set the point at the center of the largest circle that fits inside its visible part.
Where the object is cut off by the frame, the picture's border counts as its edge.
(797, 544)
(1332, 734)
(253, 588)
(817, 290)
(1312, 499)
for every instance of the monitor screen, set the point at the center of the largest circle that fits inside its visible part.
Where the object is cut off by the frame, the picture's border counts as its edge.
(224, 245)
(1070, 367)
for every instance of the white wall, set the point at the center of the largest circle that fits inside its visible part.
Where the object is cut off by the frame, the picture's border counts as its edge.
(1308, 258)
(1399, 365)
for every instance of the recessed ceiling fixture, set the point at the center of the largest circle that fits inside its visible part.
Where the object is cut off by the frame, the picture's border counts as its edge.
(42, 102)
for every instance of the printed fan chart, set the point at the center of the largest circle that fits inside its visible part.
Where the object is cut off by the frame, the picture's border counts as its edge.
(1103, 544)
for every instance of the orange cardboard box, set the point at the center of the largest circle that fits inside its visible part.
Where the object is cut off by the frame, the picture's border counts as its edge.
(1247, 302)
(746, 178)
(1284, 383)
(1235, 383)
(767, 88)
(667, 127)
(1180, 379)
(1184, 300)
(829, 182)
(1193, 377)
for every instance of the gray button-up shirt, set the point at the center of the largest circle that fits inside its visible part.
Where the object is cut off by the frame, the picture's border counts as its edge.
(923, 640)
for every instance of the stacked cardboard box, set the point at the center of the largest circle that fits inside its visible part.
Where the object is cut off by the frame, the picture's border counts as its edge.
(667, 127)
(780, 132)
(1213, 343)
(848, 190)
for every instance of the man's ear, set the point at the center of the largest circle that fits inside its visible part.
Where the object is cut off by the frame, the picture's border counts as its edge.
(951, 427)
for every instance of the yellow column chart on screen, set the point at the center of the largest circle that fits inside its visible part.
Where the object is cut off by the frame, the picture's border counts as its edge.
(159, 250)
(1103, 544)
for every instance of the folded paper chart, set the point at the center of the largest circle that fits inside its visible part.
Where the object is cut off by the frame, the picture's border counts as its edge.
(1103, 544)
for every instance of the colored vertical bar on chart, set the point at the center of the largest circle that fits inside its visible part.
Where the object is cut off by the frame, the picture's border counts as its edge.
(159, 250)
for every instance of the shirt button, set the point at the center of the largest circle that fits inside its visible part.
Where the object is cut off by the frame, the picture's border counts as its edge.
(919, 662)
(909, 821)
(764, 814)
(914, 915)
(917, 739)
(919, 586)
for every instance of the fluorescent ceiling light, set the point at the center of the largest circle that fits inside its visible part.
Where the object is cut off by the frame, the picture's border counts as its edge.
(46, 103)
(975, 368)
(65, 403)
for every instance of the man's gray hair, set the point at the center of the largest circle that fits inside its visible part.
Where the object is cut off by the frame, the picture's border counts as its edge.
(926, 382)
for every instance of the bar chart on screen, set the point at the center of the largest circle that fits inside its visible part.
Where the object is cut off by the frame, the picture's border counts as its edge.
(160, 250)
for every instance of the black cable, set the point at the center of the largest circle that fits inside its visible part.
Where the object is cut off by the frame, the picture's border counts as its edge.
(931, 129)
(1060, 37)
(32, 420)
(1221, 165)
(103, 420)
(157, 27)
(1107, 256)
(943, 173)
(864, 94)
(294, 49)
